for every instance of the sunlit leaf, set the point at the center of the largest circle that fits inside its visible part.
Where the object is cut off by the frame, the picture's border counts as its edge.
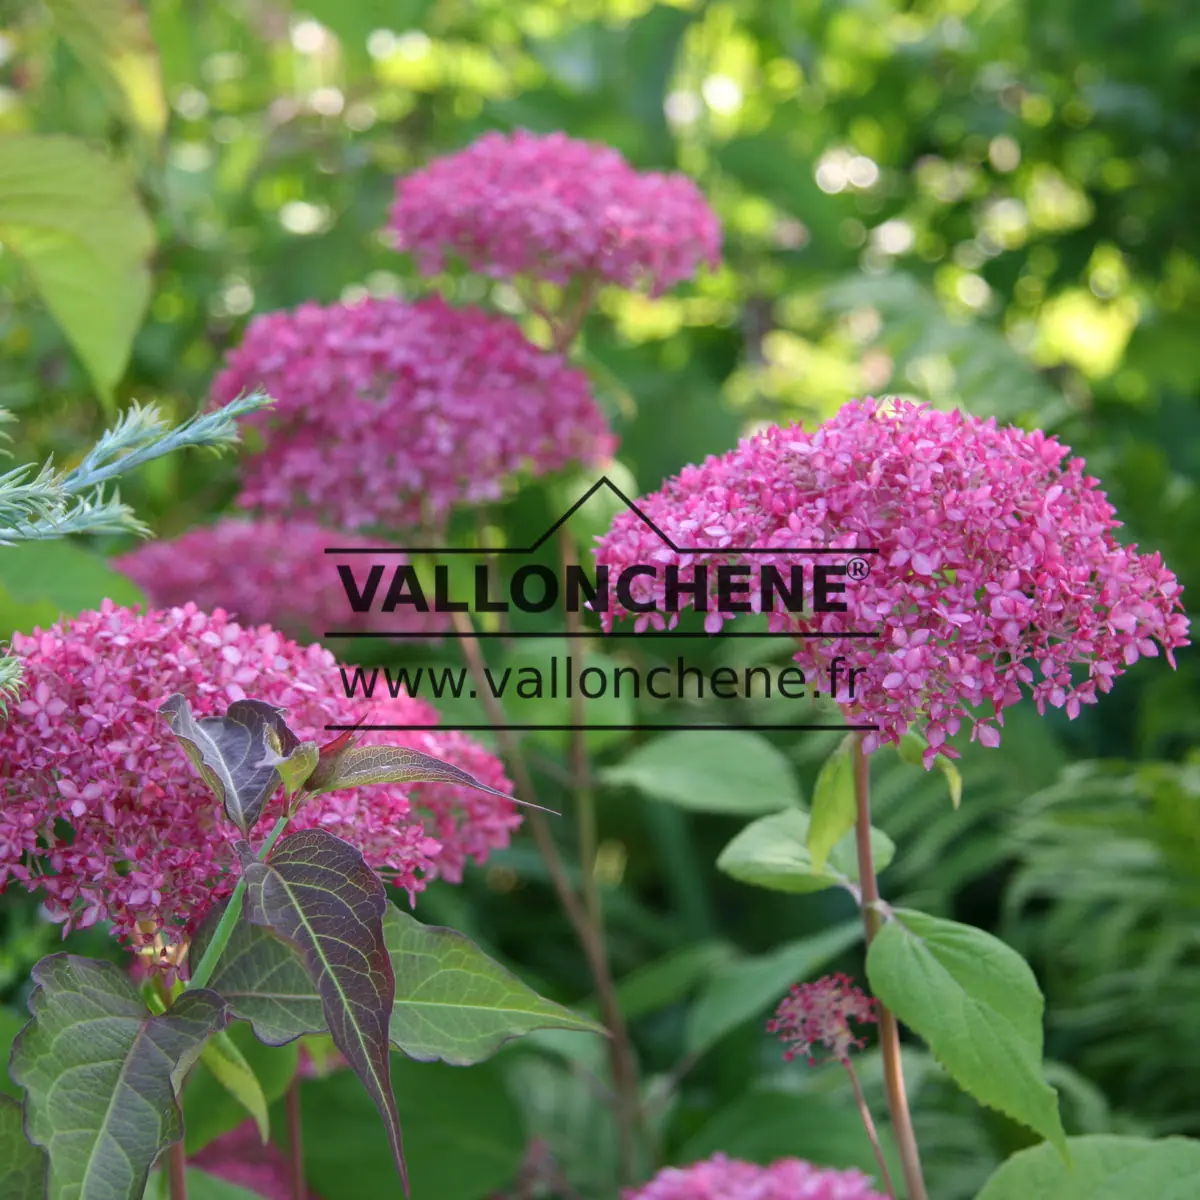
(833, 805)
(228, 1064)
(773, 853)
(112, 39)
(1102, 1167)
(976, 1003)
(73, 217)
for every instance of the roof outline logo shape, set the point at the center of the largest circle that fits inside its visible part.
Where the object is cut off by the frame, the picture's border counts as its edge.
(603, 481)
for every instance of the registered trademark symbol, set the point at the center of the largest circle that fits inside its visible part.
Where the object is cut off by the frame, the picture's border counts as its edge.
(858, 568)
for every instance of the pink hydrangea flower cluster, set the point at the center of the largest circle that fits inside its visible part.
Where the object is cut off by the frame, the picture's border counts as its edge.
(819, 1014)
(266, 571)
(106, 816)
(722, 1178)
(997, 567)
(390, 413)
(554, 208)
(239, 1157)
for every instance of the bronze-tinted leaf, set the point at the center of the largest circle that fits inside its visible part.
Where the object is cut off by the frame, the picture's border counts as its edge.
(102, 1073)
(358, 766)
(239, 755)
(316, 891)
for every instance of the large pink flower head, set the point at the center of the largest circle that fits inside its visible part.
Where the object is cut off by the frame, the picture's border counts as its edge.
(390, 413)
(996, 566)
(554, 208)
(722, 1178)
(105, 814)
(265, 571)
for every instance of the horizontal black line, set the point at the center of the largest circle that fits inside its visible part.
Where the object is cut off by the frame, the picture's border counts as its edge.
(587, 728)
(481, 552)
(590, 635)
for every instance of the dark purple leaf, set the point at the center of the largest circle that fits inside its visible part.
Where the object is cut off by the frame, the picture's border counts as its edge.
(316, 891)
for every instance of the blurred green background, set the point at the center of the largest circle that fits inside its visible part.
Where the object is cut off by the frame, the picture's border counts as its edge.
(986, 204)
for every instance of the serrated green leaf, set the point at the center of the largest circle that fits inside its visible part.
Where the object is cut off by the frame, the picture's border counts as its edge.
(717, 771)
(72, 216)
(456, 1004)
(263, 980)
(295, 768)
(977, 1005)
(742, 990)
(317, 891)
(833, 806)
(101, 1074)
(1102, 1167)
(112, 39)
(228, 1064)
(22, 1164)
(237, 754)
(773, 853)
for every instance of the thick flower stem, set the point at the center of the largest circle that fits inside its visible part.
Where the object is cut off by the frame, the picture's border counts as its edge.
(889, 1031)
(589, 935)
(224, 930)
(295, 1128)
(177, 1171)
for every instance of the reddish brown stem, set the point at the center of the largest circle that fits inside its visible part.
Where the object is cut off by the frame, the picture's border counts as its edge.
(869, 1125)
(295, 1128)
(889, 1031)
(177, 1171)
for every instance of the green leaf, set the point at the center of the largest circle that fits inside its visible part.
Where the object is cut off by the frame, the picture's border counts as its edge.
(670, 978)
(456, 1004)
(466, 1133)
(209, 1110)
(112, 40)
(11, 1023)
(228, 1064)
(716, 771)
(22, 1164)
(362, 765)
(834, 805)
(201, 1186)
(912, 746)
(101, 1074)
(977, 1005)
(236, 755)
(745, 989)
(72, 216)
(263, 980)
(318, 892)
(773, 853)
(295, 768)
(1103, 1167)
(42, 581)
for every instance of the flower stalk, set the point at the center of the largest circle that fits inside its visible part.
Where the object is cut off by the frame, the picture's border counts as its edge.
(889, 1031)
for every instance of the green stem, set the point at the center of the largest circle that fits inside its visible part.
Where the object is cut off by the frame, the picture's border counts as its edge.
(221, 935)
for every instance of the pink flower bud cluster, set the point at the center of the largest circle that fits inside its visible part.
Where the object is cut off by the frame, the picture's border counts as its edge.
(106, 816)
(819, 1014)
(554, 208)
(997, 570)
(265, 571)
(722, 1178)
(391, 413)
